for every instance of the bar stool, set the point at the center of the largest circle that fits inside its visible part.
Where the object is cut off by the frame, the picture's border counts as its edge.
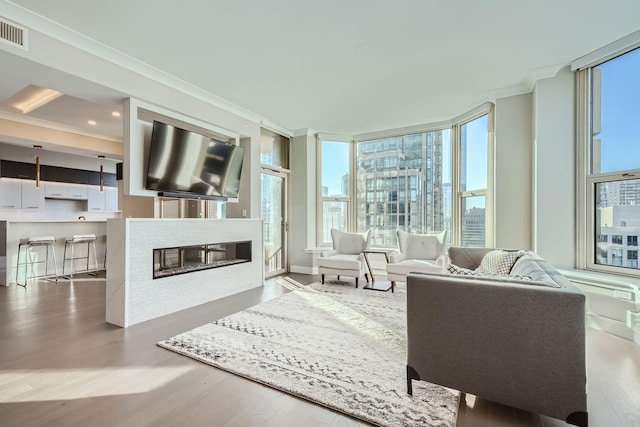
(29, 244)
(90, 241)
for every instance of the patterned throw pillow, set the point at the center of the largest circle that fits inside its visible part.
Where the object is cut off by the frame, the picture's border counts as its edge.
(499, 261)
(454, 269)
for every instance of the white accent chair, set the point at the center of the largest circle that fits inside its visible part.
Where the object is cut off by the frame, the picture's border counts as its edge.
(346, 258)
(422, 253)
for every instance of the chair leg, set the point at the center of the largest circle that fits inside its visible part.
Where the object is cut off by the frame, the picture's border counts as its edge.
(366, 277)
(323, 279)
(393, 285)
(356, 282)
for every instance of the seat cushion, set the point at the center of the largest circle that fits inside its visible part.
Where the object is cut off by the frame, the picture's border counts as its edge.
(407, 266)
(340, 261)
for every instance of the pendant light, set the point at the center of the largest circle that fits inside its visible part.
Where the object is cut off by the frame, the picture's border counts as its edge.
(101, 174)
(37, 148)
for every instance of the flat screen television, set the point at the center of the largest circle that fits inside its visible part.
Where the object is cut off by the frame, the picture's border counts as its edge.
(186, 164)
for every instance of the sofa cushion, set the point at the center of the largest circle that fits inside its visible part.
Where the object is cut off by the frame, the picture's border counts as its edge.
(454, 269)
(340, 262)
(350, 243)
(499, 261)
(539, 270)
(414, 265)
(421, 246)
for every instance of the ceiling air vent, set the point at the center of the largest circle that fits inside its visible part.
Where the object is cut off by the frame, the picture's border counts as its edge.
(13, 34)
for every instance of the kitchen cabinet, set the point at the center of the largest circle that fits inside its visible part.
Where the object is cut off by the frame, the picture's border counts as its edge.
(61, 190)
(11, 169)
(20, 194)
(96, 201)
(55, 190)
(77, 191)
(106, 201)
(32, 197)
(111, 199)
(10, 194)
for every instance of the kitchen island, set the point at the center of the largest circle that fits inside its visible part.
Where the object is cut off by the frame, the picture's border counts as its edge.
(12, 231)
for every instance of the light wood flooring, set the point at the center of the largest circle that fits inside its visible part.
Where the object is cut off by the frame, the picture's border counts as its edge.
(62, 365)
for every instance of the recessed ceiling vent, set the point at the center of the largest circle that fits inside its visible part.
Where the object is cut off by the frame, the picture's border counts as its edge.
(12, 34)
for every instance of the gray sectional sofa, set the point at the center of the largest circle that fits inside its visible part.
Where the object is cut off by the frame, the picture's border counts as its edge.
(513, 341)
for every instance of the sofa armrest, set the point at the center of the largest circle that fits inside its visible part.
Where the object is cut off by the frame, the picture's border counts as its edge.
(443, 261)
(517, 343)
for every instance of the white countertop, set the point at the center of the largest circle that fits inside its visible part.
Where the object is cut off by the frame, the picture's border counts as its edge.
(56, 221)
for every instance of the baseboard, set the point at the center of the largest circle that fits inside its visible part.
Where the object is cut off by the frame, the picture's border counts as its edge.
(303, 270)
(611, 326)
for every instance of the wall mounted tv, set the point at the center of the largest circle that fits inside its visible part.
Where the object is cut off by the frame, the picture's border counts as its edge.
(189, 165)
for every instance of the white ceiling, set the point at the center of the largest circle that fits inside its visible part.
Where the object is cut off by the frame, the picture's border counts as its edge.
(343, 66)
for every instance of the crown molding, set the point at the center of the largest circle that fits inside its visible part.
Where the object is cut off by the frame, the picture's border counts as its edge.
(57, 31)
(529, 82)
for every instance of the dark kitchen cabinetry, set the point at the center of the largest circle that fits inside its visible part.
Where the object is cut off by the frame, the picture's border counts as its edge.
(10, 169)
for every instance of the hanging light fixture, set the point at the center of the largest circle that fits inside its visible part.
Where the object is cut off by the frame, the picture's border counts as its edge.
(37, 148)
(101, 174)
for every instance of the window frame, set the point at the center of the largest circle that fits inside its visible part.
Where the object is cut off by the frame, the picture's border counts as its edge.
(320, 199)
(458, 196)
(586, 180)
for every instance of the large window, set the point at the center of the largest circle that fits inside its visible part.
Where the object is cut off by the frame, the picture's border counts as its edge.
(473, 163)
(421, 182)
(335, 188)
(403, 182)
(612, 163)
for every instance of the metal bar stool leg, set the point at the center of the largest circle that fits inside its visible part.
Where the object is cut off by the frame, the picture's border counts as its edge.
(55, 261)
(20, 245)
(95, 257)
(64, 257)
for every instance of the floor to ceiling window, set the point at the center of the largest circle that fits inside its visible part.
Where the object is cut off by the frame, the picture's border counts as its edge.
(403, 183)
(421, 182)
(610, 163)
(334, 188)
(473, 160)
(274, 159)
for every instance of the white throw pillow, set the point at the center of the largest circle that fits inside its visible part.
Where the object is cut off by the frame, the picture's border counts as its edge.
(421, 246)
(350, 243)
(499, 261)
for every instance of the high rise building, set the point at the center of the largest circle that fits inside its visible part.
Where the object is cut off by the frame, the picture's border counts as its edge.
(399, 185)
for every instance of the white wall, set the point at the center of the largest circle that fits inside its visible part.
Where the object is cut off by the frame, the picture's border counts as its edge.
(554, 169)
(302, 229)
(196, 105)
(513, 172)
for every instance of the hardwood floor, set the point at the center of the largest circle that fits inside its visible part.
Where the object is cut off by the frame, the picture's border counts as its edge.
(62, 365)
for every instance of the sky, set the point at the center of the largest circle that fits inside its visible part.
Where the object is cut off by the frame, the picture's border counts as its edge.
(620, 105)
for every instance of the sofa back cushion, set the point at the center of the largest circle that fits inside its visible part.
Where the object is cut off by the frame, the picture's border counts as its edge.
(422, 246)
(540, 271)
(350, 243)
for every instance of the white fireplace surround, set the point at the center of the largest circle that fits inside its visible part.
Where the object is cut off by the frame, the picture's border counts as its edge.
(133, 296)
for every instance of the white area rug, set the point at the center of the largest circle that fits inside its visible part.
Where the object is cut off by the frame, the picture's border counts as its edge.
(333, 344)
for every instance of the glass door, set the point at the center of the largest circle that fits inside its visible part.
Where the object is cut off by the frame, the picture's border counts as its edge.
(276, 225)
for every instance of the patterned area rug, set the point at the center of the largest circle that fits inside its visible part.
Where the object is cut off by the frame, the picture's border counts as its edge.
(333, 344)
